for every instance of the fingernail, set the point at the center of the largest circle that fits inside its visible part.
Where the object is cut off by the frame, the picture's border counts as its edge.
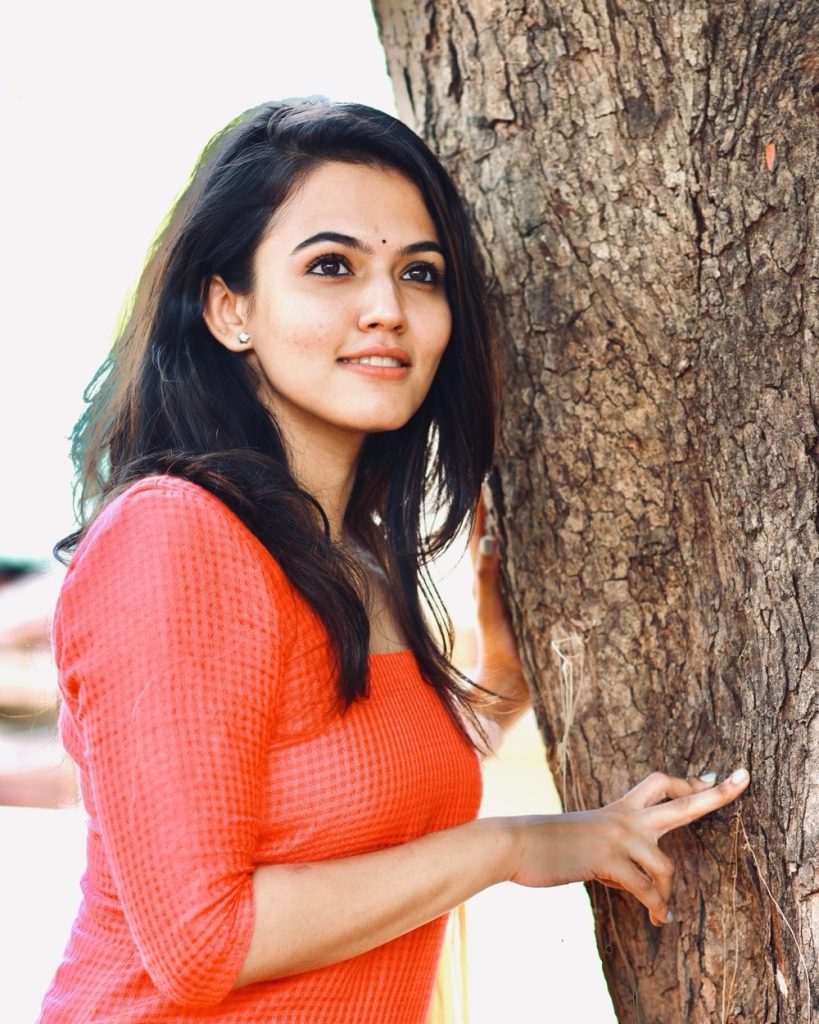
(487, 546)
(669, 917)
(708, 777)
(739, 777)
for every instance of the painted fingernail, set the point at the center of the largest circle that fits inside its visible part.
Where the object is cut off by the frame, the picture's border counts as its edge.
(708, 777)
(669, 918)
(739, 777)
(487, 546)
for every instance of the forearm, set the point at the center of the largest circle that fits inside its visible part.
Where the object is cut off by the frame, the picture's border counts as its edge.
(312, 915)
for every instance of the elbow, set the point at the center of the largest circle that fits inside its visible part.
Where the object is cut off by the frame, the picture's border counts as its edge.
(190, 988)
(187, 999)
(199, 972)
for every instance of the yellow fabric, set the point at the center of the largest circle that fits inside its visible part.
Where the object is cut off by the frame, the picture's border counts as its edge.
(450, 996)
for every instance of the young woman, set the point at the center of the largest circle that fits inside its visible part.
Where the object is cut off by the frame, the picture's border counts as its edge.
(274, 749)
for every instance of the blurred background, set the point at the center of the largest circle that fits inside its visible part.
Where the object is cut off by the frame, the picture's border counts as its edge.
(104, 109)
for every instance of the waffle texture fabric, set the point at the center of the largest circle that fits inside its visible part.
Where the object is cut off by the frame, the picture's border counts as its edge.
(199, 705)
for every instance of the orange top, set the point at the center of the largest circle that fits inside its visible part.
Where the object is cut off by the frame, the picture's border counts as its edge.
(199, 705)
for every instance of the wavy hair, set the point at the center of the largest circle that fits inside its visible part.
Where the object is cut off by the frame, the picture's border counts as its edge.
(171, 399)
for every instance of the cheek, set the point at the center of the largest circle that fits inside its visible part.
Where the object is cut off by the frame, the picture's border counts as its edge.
(295, 337)
(309, 327)
(289, 319)
(448, 331)
(431, 318)
(438, 331)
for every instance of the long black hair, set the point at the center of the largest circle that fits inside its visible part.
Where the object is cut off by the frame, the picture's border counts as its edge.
(171, 399)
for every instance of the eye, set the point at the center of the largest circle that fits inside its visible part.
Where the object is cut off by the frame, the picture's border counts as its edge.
(329, 265)
(422, 273)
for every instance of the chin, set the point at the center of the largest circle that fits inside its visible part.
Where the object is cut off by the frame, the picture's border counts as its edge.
(379, 424)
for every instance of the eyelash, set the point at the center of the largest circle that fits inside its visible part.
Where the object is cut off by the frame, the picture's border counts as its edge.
(328, 257)
(435, 275)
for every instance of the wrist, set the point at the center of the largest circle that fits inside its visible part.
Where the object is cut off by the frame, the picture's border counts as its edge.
(508, 697)
(507, 682)
(498, 847)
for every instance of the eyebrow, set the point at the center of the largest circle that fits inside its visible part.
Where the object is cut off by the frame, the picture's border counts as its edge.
(355, 243)
(427, 246)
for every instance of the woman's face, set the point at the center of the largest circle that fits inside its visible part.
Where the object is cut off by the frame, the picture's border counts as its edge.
(349, 317)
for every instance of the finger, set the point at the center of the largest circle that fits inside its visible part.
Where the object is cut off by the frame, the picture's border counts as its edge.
(486, 564)
(489, 604)
(478, 526)
(628, 876)
(686, 809)
(658, 786)
(660, 869)
(480, 513)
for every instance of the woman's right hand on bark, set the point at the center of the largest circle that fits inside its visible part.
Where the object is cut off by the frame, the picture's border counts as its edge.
(356, 903)
(618, 844)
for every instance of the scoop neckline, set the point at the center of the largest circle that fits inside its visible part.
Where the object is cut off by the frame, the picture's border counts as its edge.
(389, 654)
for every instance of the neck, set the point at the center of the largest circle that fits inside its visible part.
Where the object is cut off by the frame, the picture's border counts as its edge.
(325, 466)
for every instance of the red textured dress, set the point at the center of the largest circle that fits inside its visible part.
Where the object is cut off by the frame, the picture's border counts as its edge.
(200, 708)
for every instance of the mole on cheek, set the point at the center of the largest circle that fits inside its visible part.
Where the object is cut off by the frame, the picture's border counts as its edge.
(383, 241)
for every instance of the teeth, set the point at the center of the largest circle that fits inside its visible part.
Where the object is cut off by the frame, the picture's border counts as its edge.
(375, 361)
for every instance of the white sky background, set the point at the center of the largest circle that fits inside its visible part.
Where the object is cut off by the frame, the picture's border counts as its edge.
(104, 108)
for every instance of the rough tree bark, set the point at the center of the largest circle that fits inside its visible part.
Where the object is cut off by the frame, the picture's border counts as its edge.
(643, 177)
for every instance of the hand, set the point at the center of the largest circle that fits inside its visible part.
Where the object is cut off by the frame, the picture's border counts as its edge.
(499, 667)
(617, 844)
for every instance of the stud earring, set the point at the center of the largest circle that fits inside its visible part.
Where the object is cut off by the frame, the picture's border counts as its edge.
(244, 338)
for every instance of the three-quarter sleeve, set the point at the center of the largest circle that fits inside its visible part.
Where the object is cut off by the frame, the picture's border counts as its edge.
(167, 639)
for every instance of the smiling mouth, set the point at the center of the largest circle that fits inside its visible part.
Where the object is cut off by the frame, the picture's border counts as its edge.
(374, 361)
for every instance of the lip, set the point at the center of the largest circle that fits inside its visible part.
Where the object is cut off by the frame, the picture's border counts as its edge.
(379, 372)
(380, 350)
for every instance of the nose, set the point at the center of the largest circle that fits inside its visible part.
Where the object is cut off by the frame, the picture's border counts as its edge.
(381, 308)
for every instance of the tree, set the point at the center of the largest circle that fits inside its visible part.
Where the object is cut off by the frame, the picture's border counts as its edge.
(643, 177)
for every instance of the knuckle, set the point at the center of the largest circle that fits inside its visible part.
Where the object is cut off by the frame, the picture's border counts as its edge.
(684, 804)
(616, 830)
(665, 870)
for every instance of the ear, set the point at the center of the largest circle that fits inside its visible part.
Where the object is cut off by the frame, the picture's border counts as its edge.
(225, 313)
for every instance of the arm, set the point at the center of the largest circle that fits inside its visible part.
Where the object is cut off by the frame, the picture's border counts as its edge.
(499, 669)
(176, 698)
(166, 637)
(311, 915)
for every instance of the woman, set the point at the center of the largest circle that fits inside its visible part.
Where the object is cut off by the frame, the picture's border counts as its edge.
(274, 749)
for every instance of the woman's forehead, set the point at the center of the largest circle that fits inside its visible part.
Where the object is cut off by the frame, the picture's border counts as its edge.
(378, 205)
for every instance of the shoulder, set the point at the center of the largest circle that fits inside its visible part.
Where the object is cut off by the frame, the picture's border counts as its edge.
(169, 594)
(158, 512)
(166, 530)
(164, 502)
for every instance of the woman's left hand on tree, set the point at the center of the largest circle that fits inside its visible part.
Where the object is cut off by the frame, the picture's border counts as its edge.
(499, 665)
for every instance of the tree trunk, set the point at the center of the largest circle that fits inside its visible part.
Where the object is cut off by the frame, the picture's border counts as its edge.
(643, 177)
